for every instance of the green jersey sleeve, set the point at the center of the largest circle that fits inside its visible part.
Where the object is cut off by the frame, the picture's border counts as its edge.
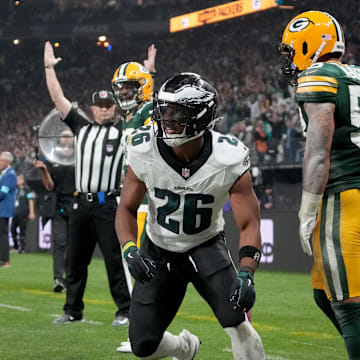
(317, 84)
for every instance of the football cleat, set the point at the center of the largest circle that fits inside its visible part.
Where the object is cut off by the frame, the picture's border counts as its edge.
(190, 345)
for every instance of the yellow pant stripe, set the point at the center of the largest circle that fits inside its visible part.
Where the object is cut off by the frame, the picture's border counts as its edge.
(336, 245)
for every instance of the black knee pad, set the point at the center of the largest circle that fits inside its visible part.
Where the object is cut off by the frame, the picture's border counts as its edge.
(145, 346)
(348, 317)
(324, 304)
(230, 318)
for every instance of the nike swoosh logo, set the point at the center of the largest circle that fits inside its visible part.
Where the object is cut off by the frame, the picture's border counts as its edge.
(130, 256)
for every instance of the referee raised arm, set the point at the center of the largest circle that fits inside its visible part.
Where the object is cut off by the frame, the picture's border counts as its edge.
(97, 172)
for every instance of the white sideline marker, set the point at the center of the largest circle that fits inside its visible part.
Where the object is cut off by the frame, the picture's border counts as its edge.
(12, 307)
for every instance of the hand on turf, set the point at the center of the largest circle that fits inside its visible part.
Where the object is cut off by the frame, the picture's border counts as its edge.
(141, 267)
(49, 57)
(242, 294)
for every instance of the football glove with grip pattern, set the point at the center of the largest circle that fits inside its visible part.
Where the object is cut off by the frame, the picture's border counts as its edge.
(141, 267)
(242, 294)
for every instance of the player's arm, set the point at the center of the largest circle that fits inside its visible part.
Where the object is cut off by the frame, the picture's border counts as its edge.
(132, 194)
(316, 165)
(319, 137)
(141, 267)
(246, 211)
(53, 85)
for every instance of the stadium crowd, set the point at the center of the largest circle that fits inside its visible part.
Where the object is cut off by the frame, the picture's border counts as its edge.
(240, 58)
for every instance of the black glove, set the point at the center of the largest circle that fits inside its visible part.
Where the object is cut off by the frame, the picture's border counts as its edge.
(242, 294)
(141, 267)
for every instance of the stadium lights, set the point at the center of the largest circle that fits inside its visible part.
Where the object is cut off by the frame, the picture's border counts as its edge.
(103, 42)
(16, 41)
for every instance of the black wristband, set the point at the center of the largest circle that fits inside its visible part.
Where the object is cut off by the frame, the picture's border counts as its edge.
(246, 269)
(250, 251)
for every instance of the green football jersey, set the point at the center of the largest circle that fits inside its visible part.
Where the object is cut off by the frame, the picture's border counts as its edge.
(140, 118)
(339, 84)
(133, 121)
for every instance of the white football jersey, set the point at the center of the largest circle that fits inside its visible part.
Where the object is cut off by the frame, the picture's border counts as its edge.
(186, 199)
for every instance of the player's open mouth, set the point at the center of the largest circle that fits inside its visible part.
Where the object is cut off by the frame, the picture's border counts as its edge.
(172, 131)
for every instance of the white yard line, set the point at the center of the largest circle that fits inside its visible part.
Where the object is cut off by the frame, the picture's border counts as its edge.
(12, 307)
(92, 322)
(310, 344)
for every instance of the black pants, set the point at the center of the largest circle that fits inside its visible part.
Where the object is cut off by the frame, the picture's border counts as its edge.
(59, 238)
(19, 221)
(92, 223)
(4, 240)
(154, 304)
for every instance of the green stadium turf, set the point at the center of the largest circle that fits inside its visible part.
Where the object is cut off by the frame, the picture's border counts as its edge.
(288, 321)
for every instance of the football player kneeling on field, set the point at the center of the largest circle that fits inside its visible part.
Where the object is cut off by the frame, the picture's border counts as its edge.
(188, 172)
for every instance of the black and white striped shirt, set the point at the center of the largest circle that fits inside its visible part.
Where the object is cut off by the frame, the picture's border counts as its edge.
(99, 154)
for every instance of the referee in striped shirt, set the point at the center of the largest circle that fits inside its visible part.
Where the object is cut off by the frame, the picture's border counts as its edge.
(98, 173)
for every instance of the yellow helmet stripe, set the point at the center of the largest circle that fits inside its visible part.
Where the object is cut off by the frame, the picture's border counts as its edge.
(316, 88)
(328, 79)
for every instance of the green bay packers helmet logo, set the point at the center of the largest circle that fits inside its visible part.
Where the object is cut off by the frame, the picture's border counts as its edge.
(299, 24)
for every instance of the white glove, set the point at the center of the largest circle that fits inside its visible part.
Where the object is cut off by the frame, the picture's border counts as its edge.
(307, 217)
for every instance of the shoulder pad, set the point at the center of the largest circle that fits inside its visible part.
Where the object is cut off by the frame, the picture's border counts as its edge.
(146, 109)
(332, 69)
(141, 140)
(228, 150)
(319, 83)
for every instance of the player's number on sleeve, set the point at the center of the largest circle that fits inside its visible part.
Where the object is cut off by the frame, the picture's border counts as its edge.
(140, 138)
(195, 218)
(354, 91)
(231, 141)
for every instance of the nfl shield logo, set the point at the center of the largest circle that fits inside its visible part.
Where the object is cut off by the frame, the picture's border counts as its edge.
(109, 148)
(103, 94)
(185, 173)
